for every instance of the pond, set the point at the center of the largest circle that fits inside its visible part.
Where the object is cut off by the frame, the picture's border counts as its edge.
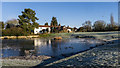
(49, 47)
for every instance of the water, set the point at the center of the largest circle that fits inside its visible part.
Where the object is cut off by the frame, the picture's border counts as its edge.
(49, 47)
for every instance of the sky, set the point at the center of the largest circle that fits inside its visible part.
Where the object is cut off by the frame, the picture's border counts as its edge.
(60, 0)
(73, 14)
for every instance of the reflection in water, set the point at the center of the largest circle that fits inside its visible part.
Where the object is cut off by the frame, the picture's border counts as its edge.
(38, 42)
(54, 45)
(21, 47)
(16, 47)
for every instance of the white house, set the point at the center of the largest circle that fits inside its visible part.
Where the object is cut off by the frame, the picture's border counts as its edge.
(41, 28)
(69, 30)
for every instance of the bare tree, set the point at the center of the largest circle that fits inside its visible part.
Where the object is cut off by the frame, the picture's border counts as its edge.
(87, 26)
(12, 23)
(99, 25)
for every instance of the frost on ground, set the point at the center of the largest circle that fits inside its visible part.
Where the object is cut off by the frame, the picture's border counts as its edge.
(106, 55)
(23, 61)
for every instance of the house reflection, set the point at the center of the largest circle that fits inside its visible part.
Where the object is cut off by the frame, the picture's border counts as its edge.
(47, 46)
(41, 42)
(54, 46)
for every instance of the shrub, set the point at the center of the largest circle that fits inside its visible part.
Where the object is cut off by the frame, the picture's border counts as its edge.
(14, 31)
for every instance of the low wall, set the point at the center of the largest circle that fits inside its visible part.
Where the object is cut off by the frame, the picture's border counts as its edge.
(14, 37)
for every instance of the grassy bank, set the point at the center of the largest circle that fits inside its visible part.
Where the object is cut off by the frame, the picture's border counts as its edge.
(51, 35)
(19, 37)
(98, 35)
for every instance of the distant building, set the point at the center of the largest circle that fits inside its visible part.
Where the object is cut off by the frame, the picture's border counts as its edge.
(75, 29)
(42, 29)
(63, 28)
(45, 28)
(69, 29)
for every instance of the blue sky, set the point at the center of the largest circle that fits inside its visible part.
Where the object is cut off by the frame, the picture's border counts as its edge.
(60, 0)
(67, 13)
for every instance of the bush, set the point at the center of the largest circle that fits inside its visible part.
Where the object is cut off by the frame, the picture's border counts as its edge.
(99, 25)
(14, 31)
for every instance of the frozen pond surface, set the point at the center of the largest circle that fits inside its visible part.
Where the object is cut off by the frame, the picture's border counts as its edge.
(49, 47)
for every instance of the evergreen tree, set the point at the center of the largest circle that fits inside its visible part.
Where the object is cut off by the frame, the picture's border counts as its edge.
(46, 23)
(27, 20)
(2, 25)
(112, 21)
(54, 23)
